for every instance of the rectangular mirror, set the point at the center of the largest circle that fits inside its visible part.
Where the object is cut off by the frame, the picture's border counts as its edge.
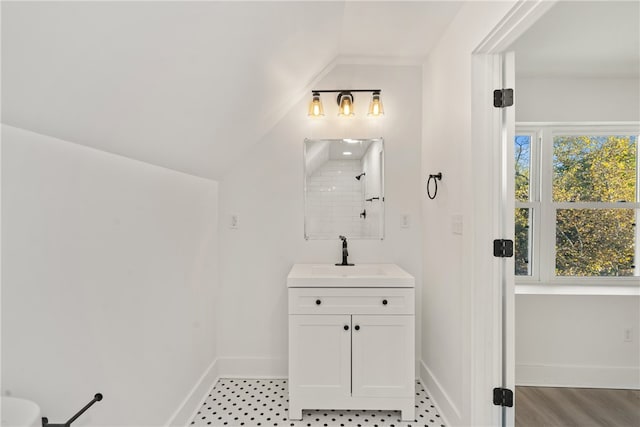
(344, 188)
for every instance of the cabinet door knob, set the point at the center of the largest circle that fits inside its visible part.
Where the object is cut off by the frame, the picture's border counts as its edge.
(318, 302)
(346, 327)
(385, 302)
(357, 327)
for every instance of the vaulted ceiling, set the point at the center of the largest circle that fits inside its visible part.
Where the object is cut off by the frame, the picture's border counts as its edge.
(189, 86)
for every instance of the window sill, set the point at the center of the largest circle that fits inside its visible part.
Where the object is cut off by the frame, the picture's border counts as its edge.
(577, 289)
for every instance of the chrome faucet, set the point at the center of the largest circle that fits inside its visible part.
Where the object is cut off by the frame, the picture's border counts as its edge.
(345, 252)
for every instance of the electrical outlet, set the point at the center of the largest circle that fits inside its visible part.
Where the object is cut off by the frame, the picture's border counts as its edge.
(235, 222)
(627, 335)
(406, 221)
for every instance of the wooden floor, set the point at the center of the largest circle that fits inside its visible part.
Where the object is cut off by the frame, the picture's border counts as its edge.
(579, 407)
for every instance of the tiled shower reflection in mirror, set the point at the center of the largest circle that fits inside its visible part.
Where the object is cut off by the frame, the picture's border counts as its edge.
(344, 186)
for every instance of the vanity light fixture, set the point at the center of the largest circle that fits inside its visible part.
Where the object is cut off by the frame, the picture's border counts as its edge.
(375, 107)
(315, 108)
(345, 102)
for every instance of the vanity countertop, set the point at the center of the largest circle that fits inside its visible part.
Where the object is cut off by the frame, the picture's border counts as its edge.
(356, 276)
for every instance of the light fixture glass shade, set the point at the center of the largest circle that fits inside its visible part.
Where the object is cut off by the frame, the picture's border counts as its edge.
(345, 99)
(375, 107)
(315, 107)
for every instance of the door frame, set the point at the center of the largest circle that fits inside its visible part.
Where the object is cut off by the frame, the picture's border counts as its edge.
(488, 207)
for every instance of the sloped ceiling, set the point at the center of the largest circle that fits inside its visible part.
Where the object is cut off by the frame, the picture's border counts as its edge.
(190, 86)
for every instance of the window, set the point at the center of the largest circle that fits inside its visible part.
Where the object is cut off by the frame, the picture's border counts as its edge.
(525, 204)
(577, 204)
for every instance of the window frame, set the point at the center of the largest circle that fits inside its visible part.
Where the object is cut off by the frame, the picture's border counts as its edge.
(543, 210)
(534, 202)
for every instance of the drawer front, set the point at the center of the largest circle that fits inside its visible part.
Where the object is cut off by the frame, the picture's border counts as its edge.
(351, 301)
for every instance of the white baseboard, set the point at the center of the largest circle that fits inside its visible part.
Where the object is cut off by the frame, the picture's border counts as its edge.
(190, 405)
(252, 368)
(547, 375)
(441, 400)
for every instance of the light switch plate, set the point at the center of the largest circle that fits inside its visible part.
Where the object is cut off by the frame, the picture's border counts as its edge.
(456, 224)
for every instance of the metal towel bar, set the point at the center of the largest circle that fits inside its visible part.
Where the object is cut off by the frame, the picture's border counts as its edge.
(96, 398)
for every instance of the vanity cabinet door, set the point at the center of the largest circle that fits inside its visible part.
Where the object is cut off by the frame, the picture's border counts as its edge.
(320, 356)
(383, 356)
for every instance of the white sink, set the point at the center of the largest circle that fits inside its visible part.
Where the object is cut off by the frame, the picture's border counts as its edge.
(359, 276)
(19, 412)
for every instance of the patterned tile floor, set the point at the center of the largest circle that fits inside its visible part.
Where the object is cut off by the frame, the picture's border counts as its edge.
(240, 402)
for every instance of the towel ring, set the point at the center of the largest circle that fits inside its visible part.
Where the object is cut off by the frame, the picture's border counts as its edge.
(437, 177)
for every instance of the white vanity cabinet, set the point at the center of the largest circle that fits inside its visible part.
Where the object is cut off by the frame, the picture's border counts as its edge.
(352, 348)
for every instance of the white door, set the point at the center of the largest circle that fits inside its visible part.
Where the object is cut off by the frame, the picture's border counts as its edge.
(493, 320)
(507, 231)
(319, 356)
(383, 356)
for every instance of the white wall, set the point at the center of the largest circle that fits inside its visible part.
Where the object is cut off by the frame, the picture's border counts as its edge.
(570, 100)
(108, 281)
(574, 340)
(577, 341)
(266, 192)
(448, 258)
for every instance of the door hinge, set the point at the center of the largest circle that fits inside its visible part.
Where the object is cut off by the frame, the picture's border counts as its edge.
(503, 248)
(502, 397)
(502, 98)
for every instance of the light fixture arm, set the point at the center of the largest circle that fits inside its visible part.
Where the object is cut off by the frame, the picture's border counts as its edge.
(346, 90)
